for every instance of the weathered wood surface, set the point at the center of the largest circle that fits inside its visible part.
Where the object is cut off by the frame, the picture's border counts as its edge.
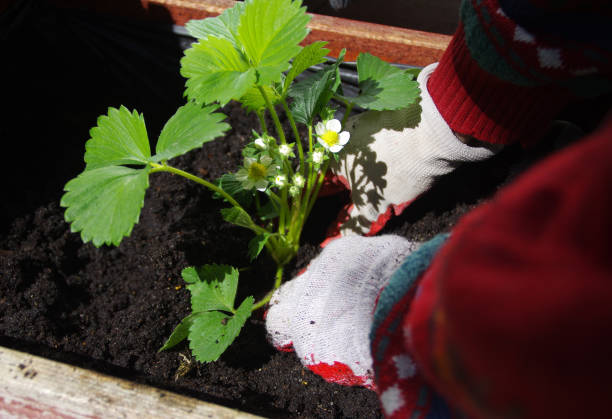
(34, 387)
(397, 45)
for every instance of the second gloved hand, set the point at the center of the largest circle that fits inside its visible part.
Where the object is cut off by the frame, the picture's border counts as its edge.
(393, 157)
(326, 313)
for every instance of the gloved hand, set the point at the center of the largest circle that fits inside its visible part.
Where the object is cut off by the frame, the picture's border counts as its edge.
(393, 157)
(326, 313)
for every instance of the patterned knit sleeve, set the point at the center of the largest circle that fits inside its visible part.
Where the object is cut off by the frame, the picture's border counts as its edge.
(513, 65)
(402, 390)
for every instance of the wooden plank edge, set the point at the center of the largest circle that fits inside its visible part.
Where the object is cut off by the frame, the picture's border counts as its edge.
(397, 45)
(34, 387)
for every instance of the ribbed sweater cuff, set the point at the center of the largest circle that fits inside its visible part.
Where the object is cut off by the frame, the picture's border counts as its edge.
(476, 103)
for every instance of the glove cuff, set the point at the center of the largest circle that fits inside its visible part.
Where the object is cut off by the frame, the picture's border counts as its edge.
(474, 102)
(442, 148)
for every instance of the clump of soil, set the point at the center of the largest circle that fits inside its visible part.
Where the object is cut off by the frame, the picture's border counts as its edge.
(111, 309)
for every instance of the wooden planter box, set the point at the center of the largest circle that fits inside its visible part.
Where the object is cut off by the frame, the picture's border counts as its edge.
(36, 387)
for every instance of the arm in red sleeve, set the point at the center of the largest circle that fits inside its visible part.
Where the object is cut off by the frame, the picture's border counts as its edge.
(514, 316)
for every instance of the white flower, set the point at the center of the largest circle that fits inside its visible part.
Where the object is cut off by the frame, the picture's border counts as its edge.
(330, 136)
(298, 180)
(285, 150)
(254, 174)
(317, 157)
(261, 144)
(294, 191)
(280, 181)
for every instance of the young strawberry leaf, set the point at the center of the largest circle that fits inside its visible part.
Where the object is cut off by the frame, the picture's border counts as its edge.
(382, 86)
(212, 332)
(223, 66)
(105, 203)
(180, 332)
(212, 287)
(256, 245)
(213, 324)
(253, 101)
(233, 187)
(310, 55)
(223, 26)
(268, 211)
(216, 71)
(270, 32)
(414, 71)
(119, 138)
(237, 216)
(310, 96)
(189, 128)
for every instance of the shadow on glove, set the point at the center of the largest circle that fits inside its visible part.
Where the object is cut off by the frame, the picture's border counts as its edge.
(392, 158)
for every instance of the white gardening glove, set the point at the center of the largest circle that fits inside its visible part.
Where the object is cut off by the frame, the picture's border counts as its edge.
(393, 157)
(326, 313)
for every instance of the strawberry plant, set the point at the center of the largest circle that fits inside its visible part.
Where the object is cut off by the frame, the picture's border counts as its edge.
(252, 54)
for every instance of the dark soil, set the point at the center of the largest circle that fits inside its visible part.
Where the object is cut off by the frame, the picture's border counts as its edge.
(110, 309)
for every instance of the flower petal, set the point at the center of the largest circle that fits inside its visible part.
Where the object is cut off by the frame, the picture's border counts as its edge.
(343, 137)
(265, 160)
(333, 125)
(335, 148)
(320, 128)
(242, 174)
(323, 143)
(248, 161)
(261, 185)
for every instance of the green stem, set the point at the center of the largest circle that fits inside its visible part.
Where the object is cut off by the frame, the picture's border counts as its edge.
(165, 168)
(313, 198)
(257, 202)
(274, 197)
(309, 179)
(277, 282)
(296, 133)
(309, 201)
(282, 213)
(310, 139)
(349, 108)
(262, 121)
(277, 124)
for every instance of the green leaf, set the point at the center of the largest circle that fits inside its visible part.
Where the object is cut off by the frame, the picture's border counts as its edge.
(179, 333)
(268, 211)
(105, 203)
(212, 332)
(213, 324)
(414, 72)
(256, 245)
(253, 101)
(251, 43)
(223, 26)
(311, 95)
(270, 32)
(119, 138)
(310, 55)
(383, 87)
(237, 216)
(233, 187)
(216, 71)
(189, 128)
(212, 287)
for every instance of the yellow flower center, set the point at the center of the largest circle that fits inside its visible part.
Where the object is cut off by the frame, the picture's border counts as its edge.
(257, 170)
(330, 138)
